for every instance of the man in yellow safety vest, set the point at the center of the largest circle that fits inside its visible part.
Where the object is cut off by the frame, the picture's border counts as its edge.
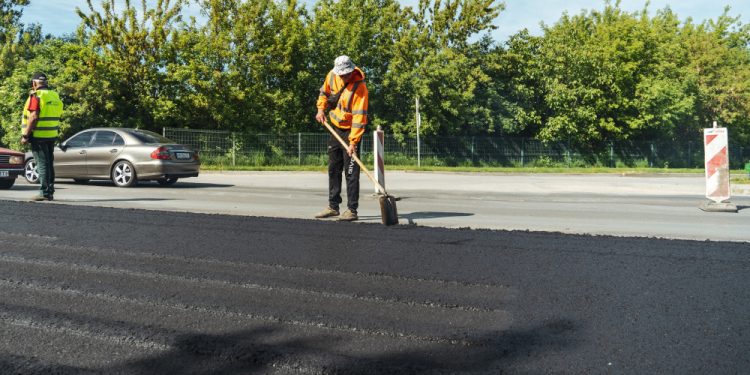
(40, 126)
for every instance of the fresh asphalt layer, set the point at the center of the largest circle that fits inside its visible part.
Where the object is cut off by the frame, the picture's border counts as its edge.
(150, 289)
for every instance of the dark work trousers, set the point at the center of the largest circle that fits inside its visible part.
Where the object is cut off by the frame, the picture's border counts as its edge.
(44, 155)
(339, 162)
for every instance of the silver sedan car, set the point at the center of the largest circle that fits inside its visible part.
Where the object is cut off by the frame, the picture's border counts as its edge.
(122, 155)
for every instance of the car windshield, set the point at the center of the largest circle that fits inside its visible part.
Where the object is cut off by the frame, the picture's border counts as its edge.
(146, 136)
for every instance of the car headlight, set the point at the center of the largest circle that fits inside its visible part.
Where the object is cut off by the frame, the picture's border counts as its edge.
(16, 160)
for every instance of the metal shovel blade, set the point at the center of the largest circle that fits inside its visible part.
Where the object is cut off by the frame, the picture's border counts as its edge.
(388, 211)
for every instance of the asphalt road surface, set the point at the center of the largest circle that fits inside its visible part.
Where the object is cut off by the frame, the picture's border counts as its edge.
(90, 289)
(651, 206)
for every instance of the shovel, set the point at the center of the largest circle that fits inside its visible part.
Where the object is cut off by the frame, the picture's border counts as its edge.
(388, 211)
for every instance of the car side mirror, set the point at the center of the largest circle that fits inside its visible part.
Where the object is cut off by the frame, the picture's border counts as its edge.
(63, 147)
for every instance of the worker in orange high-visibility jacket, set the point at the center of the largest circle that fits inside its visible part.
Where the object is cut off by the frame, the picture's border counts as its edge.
(344, 94)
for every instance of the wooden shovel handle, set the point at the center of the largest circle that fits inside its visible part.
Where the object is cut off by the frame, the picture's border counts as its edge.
(355, 157)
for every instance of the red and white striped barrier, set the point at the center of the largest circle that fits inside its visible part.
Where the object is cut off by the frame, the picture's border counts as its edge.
(378, 138)
(715, 141)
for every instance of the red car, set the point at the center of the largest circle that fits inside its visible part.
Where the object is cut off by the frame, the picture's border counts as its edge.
(11, 165)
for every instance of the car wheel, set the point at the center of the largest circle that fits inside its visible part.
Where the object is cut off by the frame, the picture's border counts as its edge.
(7, 183)
(167, 181)
(123, 174)
(30, 172)
(80, 180)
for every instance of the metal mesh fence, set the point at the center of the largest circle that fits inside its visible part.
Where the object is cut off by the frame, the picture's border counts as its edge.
(228, 148)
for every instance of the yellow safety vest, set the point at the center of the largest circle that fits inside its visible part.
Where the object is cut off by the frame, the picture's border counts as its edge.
(50, 109)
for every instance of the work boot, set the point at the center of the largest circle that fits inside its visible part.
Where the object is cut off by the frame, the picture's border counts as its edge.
(328, 212)
(349, 215)
(38, 198)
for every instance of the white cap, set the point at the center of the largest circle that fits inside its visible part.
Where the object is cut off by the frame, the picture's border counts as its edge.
(343, 65)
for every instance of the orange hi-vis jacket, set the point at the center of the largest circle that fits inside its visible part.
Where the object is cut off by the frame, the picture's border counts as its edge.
(351, 110)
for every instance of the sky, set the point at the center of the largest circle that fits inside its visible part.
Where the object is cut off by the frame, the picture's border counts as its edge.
(58, 17)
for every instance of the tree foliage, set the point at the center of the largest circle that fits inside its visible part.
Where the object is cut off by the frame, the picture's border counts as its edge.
(127, 81)
(611, 75)
(256, 66)
(436, 61)
(15, 45)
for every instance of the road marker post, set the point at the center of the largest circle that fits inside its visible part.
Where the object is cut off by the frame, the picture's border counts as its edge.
(378, 145)
(718, 191)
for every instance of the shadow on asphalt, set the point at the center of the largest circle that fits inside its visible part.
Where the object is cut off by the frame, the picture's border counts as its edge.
(740, 208)
(431, 215)
(152, 184)
(196, 185)
(261, 350)
(250, 352)
(115, 200)
(25, 187)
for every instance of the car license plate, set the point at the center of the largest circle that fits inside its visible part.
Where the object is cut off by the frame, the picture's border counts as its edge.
(182, 155)
(4, 174)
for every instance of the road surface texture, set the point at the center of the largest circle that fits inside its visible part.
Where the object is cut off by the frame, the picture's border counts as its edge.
(153, 290)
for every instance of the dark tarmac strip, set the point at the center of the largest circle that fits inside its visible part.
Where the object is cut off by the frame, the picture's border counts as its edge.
(101, 290)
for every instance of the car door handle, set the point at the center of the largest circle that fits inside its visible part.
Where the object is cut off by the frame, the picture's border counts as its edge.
(113, 150)
(83, 152)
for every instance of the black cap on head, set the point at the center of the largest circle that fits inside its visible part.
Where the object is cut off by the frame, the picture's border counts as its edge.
(39, 76)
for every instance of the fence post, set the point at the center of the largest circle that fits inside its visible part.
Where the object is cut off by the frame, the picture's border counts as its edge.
(523, 146)
(299, 148)
(472, 149)
(742, 158)
(653, 156)
(234, 150)
(419, 152)
(611, 154)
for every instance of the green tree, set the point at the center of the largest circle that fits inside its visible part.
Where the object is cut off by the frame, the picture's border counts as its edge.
(15, 43)
(127, 64)
(10, 13)
(206, 92)
(246, 69)
(256, 66)
(437, 60)
(270, 48)
(611, 75)
(515, 93)
(719, 68)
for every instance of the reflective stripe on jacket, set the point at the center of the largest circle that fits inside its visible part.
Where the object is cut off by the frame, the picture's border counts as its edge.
(50, 110)
(351, 110)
